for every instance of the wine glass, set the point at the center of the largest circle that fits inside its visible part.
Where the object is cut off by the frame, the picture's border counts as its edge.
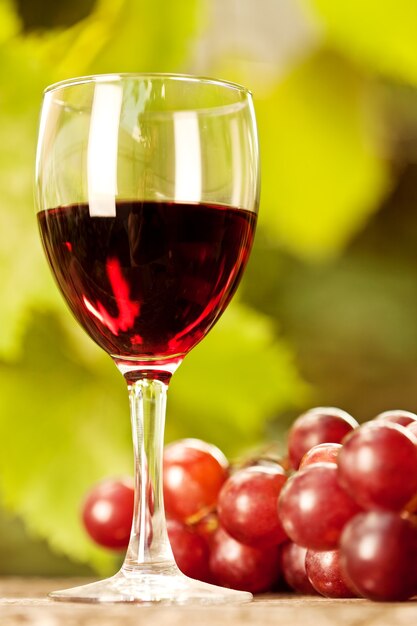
(147, 189)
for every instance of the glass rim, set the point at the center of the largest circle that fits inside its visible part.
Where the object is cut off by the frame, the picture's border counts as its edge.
(115, 77)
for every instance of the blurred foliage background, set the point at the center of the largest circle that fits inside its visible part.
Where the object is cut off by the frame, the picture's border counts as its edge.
(326, 312)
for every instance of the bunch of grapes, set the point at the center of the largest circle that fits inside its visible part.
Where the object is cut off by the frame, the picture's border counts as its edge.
(348, 509)
(223, 526)
(337, 517)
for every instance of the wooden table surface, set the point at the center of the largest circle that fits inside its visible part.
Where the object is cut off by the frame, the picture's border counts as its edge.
(24, 602)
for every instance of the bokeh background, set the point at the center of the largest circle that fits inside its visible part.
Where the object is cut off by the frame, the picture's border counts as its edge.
(326, 312)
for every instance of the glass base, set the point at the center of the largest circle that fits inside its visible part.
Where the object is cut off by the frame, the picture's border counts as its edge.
(150, 587)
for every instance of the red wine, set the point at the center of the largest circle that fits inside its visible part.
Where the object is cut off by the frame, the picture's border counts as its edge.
(151, 281)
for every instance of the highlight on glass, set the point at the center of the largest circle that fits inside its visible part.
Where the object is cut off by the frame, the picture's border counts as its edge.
(147, 189)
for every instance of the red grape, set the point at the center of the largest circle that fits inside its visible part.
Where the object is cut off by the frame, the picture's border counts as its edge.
(319, 425)
(107, 513)
(322, 453)
(314, 508)
(247, 505)
(397, 416)
(379, 555)
(191, 551)
(243, 567)
(193, 474)
(325, 575)
(378, 465)
(293, 563)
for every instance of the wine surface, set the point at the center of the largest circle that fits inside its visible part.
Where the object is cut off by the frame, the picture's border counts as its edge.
(151, 281)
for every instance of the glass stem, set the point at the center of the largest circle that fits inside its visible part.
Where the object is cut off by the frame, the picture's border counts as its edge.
(149, 548)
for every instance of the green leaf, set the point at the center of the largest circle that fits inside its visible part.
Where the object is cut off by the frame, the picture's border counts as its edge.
(151, 36)
(25, 555)
(66, 426)
(378, 35)
(23, 272)
(129, 36)
(323, 174)
(228, 387)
